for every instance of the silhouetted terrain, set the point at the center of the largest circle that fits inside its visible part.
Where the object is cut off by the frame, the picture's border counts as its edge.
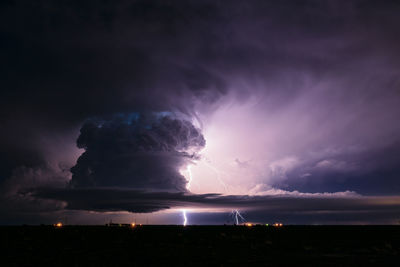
(200, 246)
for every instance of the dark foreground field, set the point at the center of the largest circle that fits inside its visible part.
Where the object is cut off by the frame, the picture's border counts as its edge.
(200, 246)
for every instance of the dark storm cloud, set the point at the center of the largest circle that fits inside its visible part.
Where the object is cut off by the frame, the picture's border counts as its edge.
(104, 199)
(369, 172)
(141, 151)
(66, 62)
(123, 56)
(103, 57)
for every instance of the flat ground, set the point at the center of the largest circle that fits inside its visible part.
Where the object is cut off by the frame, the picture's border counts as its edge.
(200, 246)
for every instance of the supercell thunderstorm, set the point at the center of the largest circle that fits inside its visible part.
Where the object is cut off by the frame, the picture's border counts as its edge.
(144, 152)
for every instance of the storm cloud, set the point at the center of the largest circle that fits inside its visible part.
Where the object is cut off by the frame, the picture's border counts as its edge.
(343, 207)
(137, 151)
(288, 96)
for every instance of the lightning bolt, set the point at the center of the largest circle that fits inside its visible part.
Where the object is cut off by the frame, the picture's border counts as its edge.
(185, 220)
(238, 216)
(189, 176)
(189, 171)
(218, 173)
(188, 185)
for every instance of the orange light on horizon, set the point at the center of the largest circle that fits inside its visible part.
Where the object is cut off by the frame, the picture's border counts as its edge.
(133, 224)
(58, 224)
(248, 224)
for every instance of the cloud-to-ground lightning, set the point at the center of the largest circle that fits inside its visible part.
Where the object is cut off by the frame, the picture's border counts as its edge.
(189, 177)
(188, 185)
(238, 216)
(185, 220)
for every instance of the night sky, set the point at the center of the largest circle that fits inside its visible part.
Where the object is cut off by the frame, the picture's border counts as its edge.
(285, 111)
